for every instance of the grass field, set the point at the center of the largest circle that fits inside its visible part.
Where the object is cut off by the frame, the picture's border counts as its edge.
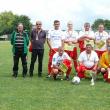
(45, 94)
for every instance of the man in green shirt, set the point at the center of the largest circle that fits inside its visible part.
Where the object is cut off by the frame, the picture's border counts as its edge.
(19, 41)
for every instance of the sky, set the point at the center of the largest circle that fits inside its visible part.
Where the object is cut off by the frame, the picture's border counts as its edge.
(77, 11)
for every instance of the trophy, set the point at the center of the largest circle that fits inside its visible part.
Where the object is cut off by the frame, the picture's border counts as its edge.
(89, 42)
(63, 67)
(100, 44)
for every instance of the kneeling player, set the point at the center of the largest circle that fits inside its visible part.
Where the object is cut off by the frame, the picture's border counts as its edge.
(88, 61)
(61, 63)
(105, 62)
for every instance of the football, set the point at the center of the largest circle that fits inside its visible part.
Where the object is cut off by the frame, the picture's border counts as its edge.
(76, 80)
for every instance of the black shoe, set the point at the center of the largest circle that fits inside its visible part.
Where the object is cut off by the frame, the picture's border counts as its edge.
(39, 74)
(48, 76)
(54, 77)
(14, 75)
(24, 75)
(31, 75)
(67, 78)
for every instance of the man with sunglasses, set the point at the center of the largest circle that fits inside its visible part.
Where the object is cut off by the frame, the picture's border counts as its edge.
(38, 38)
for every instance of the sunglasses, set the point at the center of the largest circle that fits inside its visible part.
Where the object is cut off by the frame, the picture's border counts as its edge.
(70, 24)
(38, 24)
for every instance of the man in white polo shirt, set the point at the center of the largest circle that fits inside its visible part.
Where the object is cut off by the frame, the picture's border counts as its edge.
(100, 40)
(55, 39)
(59, 58)
(70, 43)
(88, 60)
(85, 35)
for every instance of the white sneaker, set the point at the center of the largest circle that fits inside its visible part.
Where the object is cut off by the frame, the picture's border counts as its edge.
(48, 76)
(92, 82)
(61, 79)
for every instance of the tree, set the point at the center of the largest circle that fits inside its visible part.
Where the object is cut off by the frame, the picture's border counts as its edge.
(107, 24)
(9, 21)
(22, 19)
(96, 23)
(6, 21)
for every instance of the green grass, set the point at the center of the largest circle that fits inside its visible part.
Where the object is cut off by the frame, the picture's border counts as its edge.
(45, 94)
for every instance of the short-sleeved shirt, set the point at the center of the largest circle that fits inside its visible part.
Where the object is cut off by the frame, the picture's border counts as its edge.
(57, 59)
(73, 36)
(38, 39)
(88, 59)
(101, 37)
(55, 37)
(88, 33)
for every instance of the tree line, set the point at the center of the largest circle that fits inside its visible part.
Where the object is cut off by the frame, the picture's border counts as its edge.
(9, 21)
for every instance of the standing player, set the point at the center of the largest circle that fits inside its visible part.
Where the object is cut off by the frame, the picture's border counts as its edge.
(100, 40)
(85, 35)
(71, 43)
(55, 39)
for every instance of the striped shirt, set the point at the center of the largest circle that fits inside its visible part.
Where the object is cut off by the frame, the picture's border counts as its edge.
(19, 41)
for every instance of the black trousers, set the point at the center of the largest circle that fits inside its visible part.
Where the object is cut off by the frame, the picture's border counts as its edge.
(36, 53)
(16, 58)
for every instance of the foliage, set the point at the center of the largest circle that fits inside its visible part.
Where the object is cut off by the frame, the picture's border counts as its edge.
(101, 21)
(9, 21)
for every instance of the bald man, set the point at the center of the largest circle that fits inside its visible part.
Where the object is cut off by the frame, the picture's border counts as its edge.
(70, 42)
(38, 38)
(85, 35)
(59, 58)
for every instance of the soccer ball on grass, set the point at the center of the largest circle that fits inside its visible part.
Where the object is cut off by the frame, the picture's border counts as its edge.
(76, 80)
